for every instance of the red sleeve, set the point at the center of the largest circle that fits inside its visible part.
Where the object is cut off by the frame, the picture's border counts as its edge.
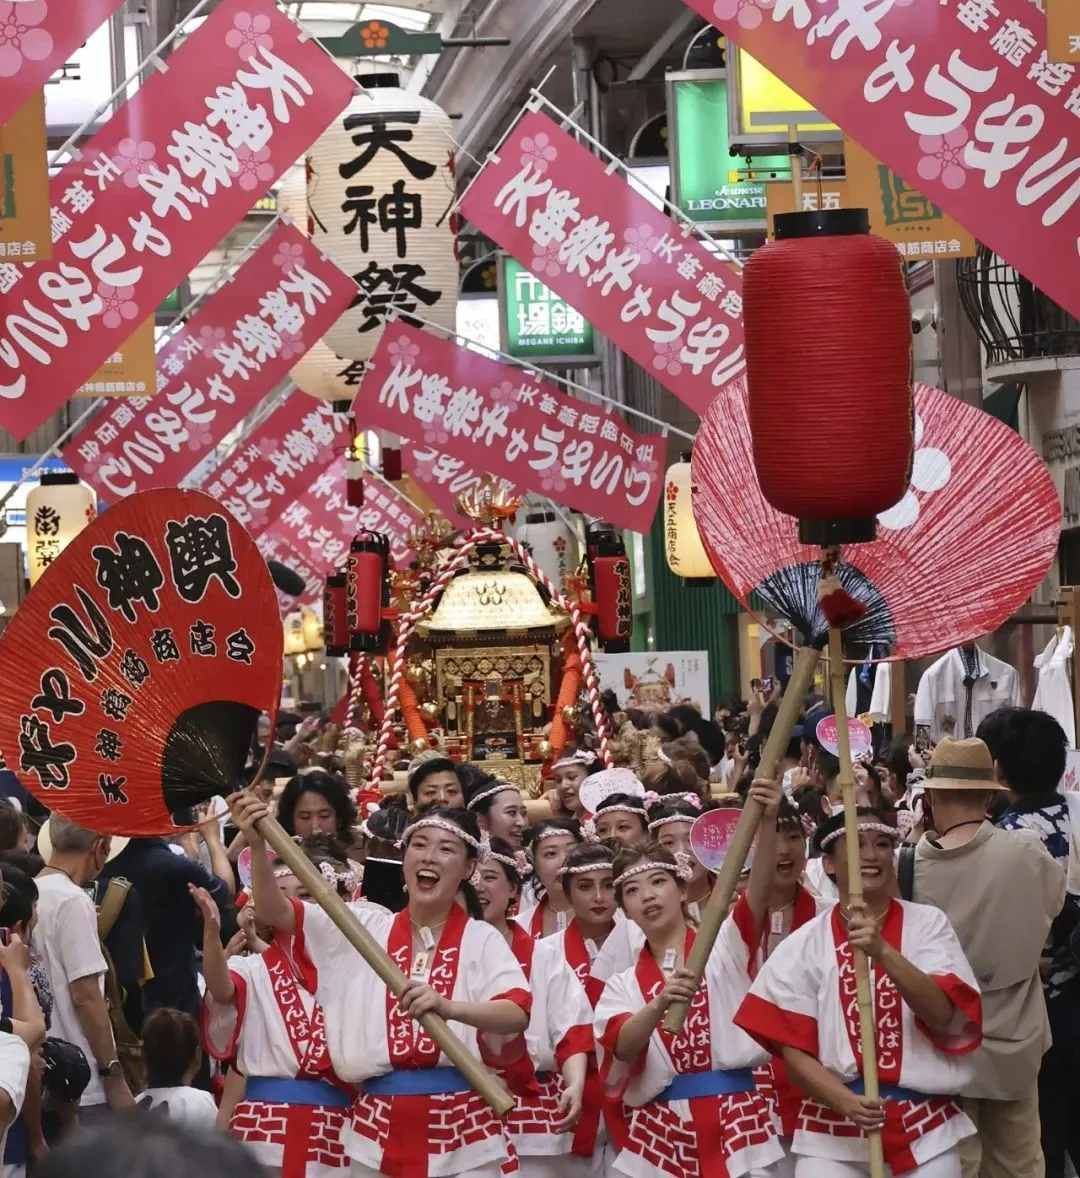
(577, 1041)
(309, 975)
(520, 998)
(775, 1028)
(228, 1055)
(608, 1040)
(512, 1062)
(968, 1003)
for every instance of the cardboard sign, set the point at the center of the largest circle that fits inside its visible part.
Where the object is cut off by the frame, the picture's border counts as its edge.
(493, 416)
(140, 664)
(25, 228)
(1062, 30)
(155, 190)
(860, 739)
(711, 837)
(598, 786)
(959, 98)
(131, 371)
(656, 292)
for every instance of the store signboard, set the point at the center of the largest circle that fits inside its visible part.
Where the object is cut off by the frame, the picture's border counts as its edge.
(539, 325)
(763, 109)
(24, 185)
(713, 188)
(131, 371)
(1063, 30)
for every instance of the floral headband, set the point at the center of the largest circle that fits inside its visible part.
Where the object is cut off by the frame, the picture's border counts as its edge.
(550, 832)
(519, 863)
(339, 879)
(440, 824)
(584, 868)
(682, 869)
(588, 831)
(498, 788)
(876, 827)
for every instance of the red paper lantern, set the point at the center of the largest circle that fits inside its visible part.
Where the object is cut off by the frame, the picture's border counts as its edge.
(609, 575)
(335, 619)
(828, 358)
(365, 574)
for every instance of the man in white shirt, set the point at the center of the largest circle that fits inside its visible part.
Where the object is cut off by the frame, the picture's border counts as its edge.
(66, 937)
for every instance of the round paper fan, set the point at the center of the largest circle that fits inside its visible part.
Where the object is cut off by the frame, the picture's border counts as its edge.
(138, 666)
(966, 546)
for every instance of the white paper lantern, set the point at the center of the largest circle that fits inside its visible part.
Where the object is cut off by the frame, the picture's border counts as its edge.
(311, 628)
(294, 634)
(686, 555)
(292, 199)
(57, 510)
(380, 189)
(552, 543)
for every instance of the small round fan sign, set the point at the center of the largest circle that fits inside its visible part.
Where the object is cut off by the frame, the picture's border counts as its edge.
(243, 864)
(859, 737)
(710, 838)
(598, 786)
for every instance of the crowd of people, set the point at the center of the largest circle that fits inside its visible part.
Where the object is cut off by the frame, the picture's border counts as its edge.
(195, 981)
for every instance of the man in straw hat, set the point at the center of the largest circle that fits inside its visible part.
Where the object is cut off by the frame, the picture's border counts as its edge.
(1000, 890)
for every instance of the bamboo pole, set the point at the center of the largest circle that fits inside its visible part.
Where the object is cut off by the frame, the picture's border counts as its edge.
(388, 973)
(867, 1034)
(727, 879)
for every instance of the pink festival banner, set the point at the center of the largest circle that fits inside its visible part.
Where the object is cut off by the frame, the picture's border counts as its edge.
(154, 191)
(958, 97)
(235, 349)
(496, 417)
(443, 478)
(37, 37)
(274, 546)
(655, 291)
(320, 525)
(271, 468)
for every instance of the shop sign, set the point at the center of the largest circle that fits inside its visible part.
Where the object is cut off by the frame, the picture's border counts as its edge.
(537, 324)
(657, 292)
(711, 186)
(764, 109)
(1063, 30)
(24, 185)
(154, 191)
(959, 98)
(130, 371)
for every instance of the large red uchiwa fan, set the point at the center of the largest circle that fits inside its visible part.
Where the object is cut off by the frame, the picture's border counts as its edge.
(965, 547)
(136, 670)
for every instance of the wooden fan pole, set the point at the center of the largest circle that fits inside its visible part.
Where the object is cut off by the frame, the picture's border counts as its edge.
(867, 1029)
(388, 973)
(727, 879)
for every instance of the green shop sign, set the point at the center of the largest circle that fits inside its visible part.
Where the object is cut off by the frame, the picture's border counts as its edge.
(537, 325)
(710, 185)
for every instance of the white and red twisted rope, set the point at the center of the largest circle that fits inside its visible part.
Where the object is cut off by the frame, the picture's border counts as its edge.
(407, 623)
(358, 662)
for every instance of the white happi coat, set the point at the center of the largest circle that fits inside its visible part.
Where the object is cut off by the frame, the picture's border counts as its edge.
(409, 1136)
(275, 1028)
(715, 1136)
(560, 1026)
(804, 997)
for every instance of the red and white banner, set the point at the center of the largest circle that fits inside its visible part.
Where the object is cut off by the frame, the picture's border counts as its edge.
(235, 349)
(444, 478)
(270, 469)
(154, 191)
(496, 417)
(321, 525)
(655, 291)
(274, 546)
(958, 97)
(37, 37)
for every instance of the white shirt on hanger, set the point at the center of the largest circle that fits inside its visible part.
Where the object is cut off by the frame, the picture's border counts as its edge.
(942, 701)
(1053, 692)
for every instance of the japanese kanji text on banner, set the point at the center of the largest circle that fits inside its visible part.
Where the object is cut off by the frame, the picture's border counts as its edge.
(154, 191)
(496, 417)
(211, 374)
(957, 97)
(657, 293)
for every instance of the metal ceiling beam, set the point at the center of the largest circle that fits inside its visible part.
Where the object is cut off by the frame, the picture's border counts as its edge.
(678, 28)
(482, 83)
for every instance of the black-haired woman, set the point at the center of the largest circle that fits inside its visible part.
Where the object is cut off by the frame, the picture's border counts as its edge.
(548, 843)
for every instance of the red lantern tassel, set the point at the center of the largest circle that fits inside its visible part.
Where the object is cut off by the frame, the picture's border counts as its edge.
(839, 607)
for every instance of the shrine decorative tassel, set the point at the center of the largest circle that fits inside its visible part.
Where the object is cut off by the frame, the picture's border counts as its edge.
(839, 607)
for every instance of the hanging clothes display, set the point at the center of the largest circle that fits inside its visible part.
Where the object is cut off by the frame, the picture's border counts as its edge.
(961, 689)
(1053, 691)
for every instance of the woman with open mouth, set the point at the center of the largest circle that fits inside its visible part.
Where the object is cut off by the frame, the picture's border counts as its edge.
(548, 842)
(692, 1105)
(928, 1017)
(549, 1082)
(461, 969)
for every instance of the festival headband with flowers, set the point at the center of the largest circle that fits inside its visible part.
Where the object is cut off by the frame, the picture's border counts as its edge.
(584, 868)
(498, 788)
(877, 827)
(519, 863)
(337, 879)
(445, 824)
(584, 757)
(682, 869)
(588, 831)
